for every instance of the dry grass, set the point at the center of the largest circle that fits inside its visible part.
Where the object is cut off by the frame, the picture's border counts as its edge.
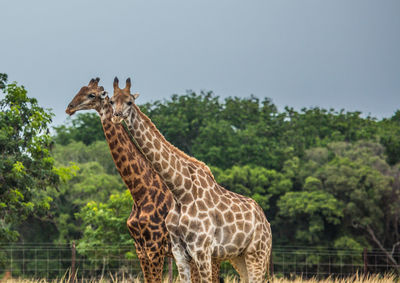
(353, 279)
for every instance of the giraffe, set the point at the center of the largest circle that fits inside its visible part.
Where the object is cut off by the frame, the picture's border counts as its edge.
(152, 199)
(207, 222)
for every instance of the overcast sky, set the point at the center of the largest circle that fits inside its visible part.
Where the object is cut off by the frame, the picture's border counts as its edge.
(340, 54)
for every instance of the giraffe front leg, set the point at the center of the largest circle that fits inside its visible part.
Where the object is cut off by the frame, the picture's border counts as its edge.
(156, 264)
(177, 248)
(144, 263)
(156, 255)
(182, 263)
(134, 230)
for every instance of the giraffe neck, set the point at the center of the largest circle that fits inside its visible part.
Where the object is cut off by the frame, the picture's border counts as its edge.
(105, 110)
(129, 161)
(178, 170)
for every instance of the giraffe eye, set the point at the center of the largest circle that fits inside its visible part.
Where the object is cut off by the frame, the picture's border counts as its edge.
(129, 103)
(91, 95)
(111, 102)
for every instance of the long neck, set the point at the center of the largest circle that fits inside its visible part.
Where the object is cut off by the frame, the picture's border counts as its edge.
(180, 172)
(105, 110)
(131, 164)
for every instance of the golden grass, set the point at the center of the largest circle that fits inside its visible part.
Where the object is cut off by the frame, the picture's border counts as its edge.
(230, 279)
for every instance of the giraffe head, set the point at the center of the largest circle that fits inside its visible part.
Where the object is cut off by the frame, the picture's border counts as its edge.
(88, 97)
(122, 101)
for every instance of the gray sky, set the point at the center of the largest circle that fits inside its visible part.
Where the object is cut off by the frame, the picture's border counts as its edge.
(340, 54)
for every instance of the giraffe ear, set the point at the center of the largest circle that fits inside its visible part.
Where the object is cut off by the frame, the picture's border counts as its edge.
(103, 94)
(116, 81)
(136, 95)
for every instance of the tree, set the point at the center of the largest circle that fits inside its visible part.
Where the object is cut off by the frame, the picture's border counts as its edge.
(309, 213)
(84, 127)
(255, 182)
(389, 133)
(104, 225)
(240, 112)
(91, 183)
(26, 166)
(323, 177)
(78, 152)
(181, 118)
(358, 176)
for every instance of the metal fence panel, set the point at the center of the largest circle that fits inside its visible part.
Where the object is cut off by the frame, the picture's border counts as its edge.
(52, 261)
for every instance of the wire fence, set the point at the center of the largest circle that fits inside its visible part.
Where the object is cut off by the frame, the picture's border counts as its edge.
(51, 261)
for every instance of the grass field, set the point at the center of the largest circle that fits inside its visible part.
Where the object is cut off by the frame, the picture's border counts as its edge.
(353, 279)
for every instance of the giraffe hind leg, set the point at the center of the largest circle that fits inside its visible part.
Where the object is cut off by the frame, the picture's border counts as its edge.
(239, 263)
(216, 266)
(203, 263)
(195, 274)
(256, 266)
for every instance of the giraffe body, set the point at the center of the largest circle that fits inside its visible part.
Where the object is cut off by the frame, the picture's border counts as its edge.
(207, 222)
(152, 199)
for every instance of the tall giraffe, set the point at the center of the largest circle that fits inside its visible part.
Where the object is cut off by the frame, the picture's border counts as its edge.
(152, 199)
(207, 221)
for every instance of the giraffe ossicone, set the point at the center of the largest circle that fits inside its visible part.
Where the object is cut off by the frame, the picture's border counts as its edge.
(207, 222)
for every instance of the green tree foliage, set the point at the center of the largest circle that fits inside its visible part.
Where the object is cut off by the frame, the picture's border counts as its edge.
(95, 180)
(3, 80)
(81, 146)
(244, 131)
(86, 128)
(181, 119)
(91, 183)
(389, 130)
(105, 224)
(336, 167)
(78, 152)
(256, 182)
(349, 195)
(310, 213)
(26, 166)
(323, 177)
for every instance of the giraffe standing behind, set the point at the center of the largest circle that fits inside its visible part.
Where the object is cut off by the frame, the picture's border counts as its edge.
(152, 199)
(207, 221)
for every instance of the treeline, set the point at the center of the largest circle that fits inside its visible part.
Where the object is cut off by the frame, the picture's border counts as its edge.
(324, 178)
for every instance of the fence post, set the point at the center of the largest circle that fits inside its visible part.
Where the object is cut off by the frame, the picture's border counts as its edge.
(170, 273)
(73, 259)
(365, 262)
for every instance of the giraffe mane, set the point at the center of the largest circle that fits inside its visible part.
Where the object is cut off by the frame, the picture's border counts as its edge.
(171, 146)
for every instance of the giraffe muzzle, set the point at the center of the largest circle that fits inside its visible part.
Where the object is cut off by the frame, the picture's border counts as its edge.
(70, 110)
(117, 119)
